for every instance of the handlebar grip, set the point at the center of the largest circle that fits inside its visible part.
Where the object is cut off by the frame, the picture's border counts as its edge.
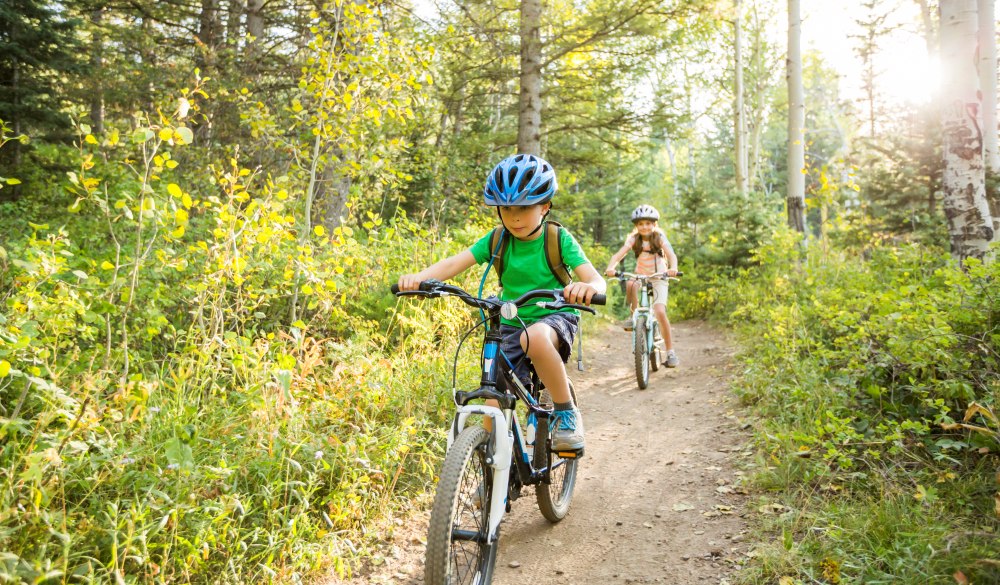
(599, 300)
(394, 288)
(679, 273)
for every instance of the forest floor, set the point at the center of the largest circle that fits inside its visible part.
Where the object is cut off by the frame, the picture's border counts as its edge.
(659, 497)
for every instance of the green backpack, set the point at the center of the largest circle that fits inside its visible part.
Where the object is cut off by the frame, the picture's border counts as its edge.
(553, 251)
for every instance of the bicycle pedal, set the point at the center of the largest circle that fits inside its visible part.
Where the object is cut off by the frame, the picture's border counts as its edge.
(570, 454)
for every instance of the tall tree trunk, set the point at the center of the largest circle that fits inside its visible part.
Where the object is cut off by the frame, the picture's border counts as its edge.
(97, 73)
(796, 194)
(529, 119)
(740, 129)
(969, 222)
(255, 29)
(988, 83)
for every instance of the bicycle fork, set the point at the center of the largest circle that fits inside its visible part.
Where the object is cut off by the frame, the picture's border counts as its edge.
(498, 457)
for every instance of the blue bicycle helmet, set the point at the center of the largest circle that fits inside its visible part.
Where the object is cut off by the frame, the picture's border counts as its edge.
(521, 179)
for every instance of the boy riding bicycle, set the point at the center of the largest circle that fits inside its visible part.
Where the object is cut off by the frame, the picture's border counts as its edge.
(521, 187)
(653, 255)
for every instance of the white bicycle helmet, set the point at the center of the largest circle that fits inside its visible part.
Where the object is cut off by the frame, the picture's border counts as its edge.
(645, 212)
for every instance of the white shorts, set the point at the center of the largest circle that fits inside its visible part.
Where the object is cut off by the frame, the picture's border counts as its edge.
(660, 288)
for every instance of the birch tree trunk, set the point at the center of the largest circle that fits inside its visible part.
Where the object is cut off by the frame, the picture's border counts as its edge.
(969, 222)
(988, 86)
(740, 129)
(529, 119)
(988, 83)
(796, 193)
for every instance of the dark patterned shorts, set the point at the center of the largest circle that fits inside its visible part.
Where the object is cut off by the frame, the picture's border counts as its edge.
(566, 326)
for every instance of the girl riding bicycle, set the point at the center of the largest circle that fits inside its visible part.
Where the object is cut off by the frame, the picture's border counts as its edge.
(654, 255)
(521, 187)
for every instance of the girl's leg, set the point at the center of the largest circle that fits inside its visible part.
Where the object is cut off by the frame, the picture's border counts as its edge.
(632, 294)
(660, 310)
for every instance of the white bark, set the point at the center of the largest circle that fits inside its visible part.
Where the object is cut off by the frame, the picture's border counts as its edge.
(796, 193)
(988, 83)
(529, 120)
(969, 222)
(740, 130)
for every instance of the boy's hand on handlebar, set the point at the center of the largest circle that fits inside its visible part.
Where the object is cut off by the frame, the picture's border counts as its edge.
(409, 282)
(579, 293)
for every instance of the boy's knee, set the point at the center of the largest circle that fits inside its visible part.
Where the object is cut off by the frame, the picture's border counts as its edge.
(538, 338)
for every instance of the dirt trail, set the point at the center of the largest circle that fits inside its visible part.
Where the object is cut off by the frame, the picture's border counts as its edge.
(658, 499)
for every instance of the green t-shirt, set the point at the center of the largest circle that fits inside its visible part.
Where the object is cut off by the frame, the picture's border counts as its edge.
(525, 269)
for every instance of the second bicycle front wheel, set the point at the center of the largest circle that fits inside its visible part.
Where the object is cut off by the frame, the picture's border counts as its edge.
(457, 549)
(554, 497)
(641, 353)
(654, 352)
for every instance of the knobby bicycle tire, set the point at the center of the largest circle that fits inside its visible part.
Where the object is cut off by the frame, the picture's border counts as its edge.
(555, 497)
(457, 552)
(641, 353)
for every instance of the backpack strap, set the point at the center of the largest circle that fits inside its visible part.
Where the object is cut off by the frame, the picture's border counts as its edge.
(553, 252)
(498, 244)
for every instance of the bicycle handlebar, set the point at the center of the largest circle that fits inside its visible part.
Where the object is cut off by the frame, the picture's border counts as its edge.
(435, 288)
(631, 275)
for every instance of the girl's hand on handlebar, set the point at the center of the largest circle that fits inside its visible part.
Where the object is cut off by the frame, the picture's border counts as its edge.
(579, 293)
(672, 272)
(610, 272)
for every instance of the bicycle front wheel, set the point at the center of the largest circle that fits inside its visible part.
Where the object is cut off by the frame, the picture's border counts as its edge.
(554, 497)
(641, 352)
(654, 349)
(457, 548)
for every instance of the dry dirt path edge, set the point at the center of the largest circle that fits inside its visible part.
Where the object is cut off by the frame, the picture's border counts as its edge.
(658, 497)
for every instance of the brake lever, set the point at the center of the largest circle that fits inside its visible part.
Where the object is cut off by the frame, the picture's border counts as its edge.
(556, 305)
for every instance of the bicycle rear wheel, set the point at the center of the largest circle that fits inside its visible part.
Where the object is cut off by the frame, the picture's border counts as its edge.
(457, 548)
(555, 497)
(641, 353)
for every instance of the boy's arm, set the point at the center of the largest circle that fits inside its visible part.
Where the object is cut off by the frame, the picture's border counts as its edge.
(450, 267)
(589, 284)
(610, 270)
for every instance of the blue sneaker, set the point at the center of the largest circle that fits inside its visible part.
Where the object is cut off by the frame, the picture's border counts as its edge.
(566, 430)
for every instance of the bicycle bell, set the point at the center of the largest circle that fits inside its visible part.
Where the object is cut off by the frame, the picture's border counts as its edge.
(508, 311)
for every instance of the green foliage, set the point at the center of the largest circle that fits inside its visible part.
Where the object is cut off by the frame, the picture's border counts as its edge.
(874, 375)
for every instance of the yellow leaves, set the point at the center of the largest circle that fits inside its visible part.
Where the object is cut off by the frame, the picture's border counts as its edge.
(319, 231)
(175, 190)
(186, 201)
(89, 139)
(4, 368)
(165, 134)
(181, 216)
(107, 265)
